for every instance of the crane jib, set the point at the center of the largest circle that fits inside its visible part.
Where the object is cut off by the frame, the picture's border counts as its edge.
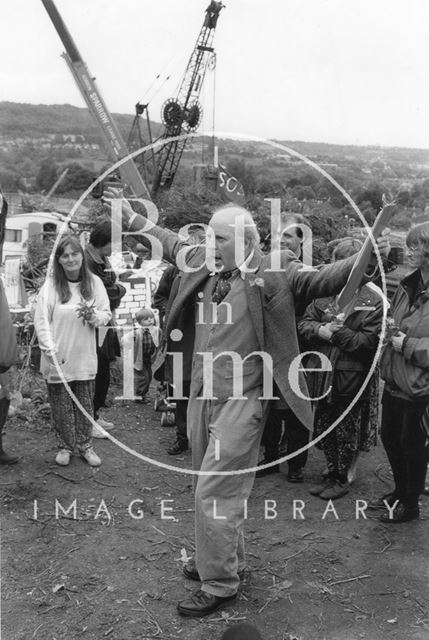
(108, 129)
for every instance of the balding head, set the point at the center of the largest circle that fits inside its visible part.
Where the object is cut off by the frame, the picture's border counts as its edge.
(242, 631)
(140, 249)
(235, 236)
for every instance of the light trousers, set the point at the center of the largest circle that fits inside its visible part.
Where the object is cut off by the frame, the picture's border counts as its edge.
(225, 437)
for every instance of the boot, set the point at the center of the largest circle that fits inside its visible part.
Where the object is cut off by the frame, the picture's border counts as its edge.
(337, 489)
(4, 408)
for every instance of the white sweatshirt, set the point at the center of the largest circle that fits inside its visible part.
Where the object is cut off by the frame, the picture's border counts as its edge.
(59, 330)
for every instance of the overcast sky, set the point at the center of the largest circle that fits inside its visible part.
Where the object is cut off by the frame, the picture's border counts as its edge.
(345, 71)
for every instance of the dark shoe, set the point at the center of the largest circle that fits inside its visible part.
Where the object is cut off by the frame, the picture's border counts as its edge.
(5, 458)
(191, 572)
(401, 514)
(202, 604)
(275, 468)
(177, 447)
(380, 503)
(326, 482)
(336, 490)
(295, 475)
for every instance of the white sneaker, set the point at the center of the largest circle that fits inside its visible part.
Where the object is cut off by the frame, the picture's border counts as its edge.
(91, 457)
(96, 432)
(105, 424)
(63, 457)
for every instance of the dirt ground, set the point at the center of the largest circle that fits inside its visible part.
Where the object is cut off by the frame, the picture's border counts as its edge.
(105, 574)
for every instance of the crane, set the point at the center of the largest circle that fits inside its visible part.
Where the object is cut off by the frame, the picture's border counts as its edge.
(182, 114)
(109, 131)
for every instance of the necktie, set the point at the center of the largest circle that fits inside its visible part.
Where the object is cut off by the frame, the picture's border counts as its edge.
(145, 343)
(223, 285)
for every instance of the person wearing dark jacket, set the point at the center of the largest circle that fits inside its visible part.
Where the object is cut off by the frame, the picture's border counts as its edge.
(7, 358)
(163, 291)
(280, 417)
(351, 349)
(162, 300)
(96, 253)
(405, 369)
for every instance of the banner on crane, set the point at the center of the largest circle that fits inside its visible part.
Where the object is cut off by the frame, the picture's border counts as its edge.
(230, 187)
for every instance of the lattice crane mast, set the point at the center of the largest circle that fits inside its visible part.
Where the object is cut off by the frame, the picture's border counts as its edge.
(183, 114)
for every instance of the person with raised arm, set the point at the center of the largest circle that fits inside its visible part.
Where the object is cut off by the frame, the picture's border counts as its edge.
(236, 307)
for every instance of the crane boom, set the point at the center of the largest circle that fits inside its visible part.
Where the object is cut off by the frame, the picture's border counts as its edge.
(183, 114)
(112, 138)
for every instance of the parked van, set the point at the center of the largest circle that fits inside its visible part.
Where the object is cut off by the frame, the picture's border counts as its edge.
(22, 227)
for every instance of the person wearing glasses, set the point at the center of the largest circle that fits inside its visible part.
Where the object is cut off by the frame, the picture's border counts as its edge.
(405, 369)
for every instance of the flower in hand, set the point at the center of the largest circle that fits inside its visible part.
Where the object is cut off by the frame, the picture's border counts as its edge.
(337, 322)
(86, 311)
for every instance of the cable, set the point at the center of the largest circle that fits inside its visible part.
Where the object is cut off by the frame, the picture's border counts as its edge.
(158, 90)
(213, 62)
(149, 88)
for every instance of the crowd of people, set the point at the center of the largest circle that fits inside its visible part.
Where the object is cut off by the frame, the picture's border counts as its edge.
(239, 304)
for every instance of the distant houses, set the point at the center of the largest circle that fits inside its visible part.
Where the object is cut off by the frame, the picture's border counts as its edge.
(48, 141)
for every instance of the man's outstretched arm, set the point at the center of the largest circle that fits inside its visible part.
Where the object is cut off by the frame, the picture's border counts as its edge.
(163, 243)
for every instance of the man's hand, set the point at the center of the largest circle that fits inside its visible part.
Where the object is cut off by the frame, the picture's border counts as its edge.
(117, 194)
(113, 192)
(383, 242)
(325, 332)
(397, 341)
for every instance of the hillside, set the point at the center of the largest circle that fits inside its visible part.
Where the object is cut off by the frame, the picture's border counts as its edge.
(19, 120)
(28, 121)
(37, 142)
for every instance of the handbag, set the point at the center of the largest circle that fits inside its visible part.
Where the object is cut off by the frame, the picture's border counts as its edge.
(8, 347)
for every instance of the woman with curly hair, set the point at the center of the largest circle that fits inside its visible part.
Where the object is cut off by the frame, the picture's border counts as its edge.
(71, 303)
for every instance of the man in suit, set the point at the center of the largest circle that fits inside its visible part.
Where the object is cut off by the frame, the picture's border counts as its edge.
(254, 298)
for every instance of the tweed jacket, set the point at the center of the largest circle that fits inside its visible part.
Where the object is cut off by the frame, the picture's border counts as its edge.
(272, 296)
